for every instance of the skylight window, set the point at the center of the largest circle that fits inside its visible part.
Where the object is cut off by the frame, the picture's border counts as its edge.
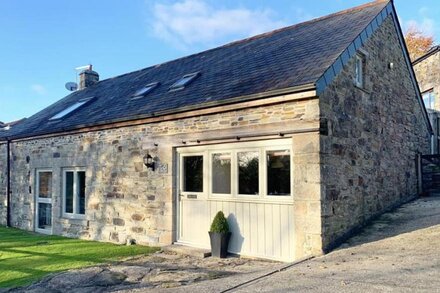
(70, 109)
(184, 81)
(145, 90)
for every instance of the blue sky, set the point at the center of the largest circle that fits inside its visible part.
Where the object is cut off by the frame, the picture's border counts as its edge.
(41, 42)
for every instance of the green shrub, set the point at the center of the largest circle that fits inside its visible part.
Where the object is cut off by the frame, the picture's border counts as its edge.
(219, 224)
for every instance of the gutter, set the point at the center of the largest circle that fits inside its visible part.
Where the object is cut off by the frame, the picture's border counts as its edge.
(8, 183)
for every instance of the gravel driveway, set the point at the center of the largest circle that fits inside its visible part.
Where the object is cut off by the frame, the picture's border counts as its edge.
(399, 252)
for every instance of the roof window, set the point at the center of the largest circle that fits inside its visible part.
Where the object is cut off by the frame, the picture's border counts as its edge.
(70, 109)
(145, 90)
(184, 81)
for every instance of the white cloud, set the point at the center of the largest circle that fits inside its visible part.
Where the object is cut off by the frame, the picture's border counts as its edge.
(424, 22)
(195, 22)
(39, 89)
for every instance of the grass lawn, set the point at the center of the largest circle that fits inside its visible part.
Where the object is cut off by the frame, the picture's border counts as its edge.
(26, 257)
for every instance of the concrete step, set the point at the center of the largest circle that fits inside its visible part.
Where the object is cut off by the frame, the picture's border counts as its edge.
(187, 250)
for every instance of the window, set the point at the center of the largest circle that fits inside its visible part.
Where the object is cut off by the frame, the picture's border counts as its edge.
(248, 172)
(359, 70)
(70, 109)
(193, 173)
(221, 173)
(278, 172)
(74, 193)
(145, 90)
(184, 81)
(429, 99)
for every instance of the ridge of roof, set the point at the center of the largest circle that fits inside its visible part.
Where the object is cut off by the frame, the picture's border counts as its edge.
(259, 36)
(430, 52)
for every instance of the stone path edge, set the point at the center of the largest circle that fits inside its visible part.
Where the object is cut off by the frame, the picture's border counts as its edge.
(283, 268)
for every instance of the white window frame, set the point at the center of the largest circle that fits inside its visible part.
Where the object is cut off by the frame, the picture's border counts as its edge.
(75, 214)
(42, 200)
(233, 148)
(359, 70)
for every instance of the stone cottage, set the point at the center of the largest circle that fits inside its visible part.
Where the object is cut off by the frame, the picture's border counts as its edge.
(300, 135)
(427, 69)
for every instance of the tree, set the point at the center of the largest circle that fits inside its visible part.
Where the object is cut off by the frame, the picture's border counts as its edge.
(418, 42)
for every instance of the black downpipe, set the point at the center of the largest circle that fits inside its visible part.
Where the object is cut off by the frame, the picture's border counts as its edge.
(8, 183)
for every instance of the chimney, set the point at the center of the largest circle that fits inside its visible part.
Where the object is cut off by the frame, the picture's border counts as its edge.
(88, 77)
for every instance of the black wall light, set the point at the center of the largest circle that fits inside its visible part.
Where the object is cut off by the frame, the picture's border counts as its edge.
(149, 162)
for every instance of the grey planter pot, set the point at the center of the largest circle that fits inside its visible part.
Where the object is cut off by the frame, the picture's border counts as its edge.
(219, 244)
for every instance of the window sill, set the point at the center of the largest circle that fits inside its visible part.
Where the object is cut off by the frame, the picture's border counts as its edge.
(73, 217)
(362, 88)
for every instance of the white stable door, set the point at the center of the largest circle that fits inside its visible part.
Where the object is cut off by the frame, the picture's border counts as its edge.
(251, 183)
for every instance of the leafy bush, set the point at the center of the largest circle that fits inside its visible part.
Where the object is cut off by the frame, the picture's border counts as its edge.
(219, 224)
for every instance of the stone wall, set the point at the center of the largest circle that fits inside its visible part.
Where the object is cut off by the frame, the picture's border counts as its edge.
(368, 158)
(3, 173)
(428, 76)
(127, 201)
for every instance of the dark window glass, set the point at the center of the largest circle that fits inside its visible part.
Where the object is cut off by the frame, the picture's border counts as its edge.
(278, 172)
(81, 192)
(44, 216)
(69, 192)
(193, 173)
(45, 184)
(248, 163)
(221, 173)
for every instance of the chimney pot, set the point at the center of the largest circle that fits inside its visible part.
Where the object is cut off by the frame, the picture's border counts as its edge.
(88, 78)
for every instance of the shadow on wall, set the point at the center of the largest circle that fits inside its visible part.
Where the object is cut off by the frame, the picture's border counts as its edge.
(237, 239)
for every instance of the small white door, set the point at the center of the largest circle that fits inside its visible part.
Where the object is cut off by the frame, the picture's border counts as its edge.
(43, 202)
(193, 203)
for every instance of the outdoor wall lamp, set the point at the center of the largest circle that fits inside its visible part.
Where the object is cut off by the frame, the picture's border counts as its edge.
(149, 162)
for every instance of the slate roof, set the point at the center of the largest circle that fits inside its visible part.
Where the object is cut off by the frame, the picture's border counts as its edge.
(289, 57)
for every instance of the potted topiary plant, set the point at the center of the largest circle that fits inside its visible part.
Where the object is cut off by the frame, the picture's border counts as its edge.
(219, 235)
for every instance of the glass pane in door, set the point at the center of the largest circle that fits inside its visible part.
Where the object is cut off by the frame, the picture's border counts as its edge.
(193, 173)
(45, 184)
(44, 215)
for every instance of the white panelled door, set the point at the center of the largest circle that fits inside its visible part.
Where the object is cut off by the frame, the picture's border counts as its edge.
(251, 182)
